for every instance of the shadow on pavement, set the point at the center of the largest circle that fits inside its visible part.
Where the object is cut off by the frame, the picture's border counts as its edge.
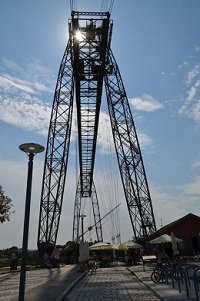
(58, 281)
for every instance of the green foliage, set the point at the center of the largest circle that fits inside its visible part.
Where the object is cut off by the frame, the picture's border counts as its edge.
(5, 206)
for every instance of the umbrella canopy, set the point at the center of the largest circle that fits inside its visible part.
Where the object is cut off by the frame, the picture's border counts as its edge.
(165, 238)
(131, 245)
(101, 246)
(119, 247)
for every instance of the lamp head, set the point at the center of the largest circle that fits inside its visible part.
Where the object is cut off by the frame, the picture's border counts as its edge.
(31, 148)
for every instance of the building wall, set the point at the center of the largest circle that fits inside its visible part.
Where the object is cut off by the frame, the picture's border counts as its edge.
(188, 229)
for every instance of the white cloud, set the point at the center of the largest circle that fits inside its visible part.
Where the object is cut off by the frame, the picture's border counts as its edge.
(33, 74)
(105, 137)
(166, 207)
(171, 203)
(32, 116)
(20, 88)
(144, 140)
(20, 105)
(191, 104)
(192, 190)
(191, 93)
(6, 64)
(192, 111)
(11, 85)
(183, 64)
(146, 103)
(192, 74)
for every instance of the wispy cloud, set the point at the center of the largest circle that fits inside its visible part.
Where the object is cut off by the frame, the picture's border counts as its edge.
(13, 85)
(183, 64)
(105, 137)
(192, 74)
(145, 140)
(171, 203)
(166, 206)
(22, 102)
(32, 116)
(146, 103)
(23, 93)
(34, 77)
(191, 105)
(191, 190)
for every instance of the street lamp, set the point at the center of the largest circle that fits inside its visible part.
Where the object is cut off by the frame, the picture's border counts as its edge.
(82, 229)
(31, 149)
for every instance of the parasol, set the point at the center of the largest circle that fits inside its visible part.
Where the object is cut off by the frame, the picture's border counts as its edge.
(101, 246)
(131, 245)
(165, 238)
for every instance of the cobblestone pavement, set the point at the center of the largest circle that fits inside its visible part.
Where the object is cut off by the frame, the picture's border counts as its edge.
(111, 284)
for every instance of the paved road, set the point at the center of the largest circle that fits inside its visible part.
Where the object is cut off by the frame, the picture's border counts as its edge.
(41, 284)
(111, 284)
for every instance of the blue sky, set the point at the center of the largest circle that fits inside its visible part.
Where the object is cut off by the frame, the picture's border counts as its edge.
(157, 47)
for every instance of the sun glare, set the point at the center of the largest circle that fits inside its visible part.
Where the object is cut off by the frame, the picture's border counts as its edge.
(79, 35)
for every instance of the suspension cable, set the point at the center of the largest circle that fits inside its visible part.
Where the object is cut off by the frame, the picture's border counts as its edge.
(115, 188)
(111, 6)
(105, 5)
(73, 5)
(111, 194)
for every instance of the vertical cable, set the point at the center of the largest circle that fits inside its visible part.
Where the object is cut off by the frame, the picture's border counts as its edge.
(71, 5)
(111, 6)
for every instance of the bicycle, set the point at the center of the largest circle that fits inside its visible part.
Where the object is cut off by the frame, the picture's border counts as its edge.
(163, 272)
(159, 275)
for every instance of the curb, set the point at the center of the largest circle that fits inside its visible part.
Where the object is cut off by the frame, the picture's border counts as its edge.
(150, 288)
(69, 288)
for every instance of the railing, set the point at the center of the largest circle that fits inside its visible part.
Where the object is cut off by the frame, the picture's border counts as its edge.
(196, 281)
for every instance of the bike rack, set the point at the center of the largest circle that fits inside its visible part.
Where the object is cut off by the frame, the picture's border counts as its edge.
(187, 277)
(184, 273)
(196, 284)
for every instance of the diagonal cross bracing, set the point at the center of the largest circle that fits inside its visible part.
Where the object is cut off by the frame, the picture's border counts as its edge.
(77, 214)
(128, 153)
(56, 158)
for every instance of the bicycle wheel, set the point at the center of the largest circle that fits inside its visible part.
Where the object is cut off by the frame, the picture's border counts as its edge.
(155, 276)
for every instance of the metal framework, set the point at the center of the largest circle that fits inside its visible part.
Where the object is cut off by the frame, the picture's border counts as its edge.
(88, 63)
(77, 214)
(128, 153)
(56, 158)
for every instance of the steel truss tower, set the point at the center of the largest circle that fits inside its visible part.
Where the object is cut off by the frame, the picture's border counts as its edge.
(77, 213)
(87, 63)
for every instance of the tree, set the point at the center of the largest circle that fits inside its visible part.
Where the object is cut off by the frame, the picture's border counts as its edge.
(5, 206)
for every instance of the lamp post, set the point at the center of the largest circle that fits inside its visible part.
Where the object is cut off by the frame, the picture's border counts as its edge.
(30, 149)
(82, 229)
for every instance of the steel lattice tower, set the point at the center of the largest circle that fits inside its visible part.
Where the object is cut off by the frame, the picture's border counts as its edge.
(87, 64)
